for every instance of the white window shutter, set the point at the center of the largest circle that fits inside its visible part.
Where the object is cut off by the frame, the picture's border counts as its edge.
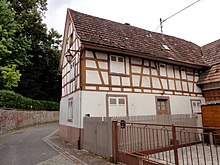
(121, 65)
(113, 64)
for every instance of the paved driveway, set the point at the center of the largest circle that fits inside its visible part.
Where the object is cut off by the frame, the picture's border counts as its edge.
(26, 147)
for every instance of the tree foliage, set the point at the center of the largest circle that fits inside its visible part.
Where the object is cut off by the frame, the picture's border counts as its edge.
(29, 54)
(10, 99)
(41, 80)
(9, 77)
(13, 47)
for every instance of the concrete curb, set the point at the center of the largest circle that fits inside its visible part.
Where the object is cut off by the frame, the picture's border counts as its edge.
(60, 150)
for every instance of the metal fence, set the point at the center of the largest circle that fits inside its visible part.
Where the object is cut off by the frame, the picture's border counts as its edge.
(97, 131)
(165, 144)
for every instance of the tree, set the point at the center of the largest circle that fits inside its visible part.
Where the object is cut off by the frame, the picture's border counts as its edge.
(9, 77)
(13, 47)
(40, 79)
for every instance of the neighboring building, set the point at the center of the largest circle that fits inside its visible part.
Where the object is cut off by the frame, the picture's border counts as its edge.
(210, 79)
(210, 84)
(121, 70)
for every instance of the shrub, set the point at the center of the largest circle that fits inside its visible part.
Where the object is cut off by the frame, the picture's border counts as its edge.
(10, 99)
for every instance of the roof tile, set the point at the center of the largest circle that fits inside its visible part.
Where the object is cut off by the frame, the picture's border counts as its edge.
(112, 34)
(211, 54)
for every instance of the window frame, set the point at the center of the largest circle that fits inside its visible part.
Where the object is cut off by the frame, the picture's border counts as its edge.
(195, 100)
(162, 67)
(117, 97)
(167, 101)
(70, 29)
(70, 110)
(73, 65)
(117, 63)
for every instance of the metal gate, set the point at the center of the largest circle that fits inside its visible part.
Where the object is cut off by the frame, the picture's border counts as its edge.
(97, 135)
(141, 143)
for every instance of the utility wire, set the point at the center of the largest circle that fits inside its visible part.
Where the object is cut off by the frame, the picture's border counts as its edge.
(162, 21)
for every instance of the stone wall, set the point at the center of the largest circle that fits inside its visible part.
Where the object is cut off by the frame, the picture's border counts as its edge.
(13, 119)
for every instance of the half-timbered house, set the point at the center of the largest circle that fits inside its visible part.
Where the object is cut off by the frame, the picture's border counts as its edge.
(114, 69)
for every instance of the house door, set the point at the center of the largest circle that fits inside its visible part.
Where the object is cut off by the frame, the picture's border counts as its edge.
(117, 106)
(196, 106)
(196, 109)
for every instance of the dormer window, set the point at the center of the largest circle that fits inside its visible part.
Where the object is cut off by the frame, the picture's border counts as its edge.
(117, 64)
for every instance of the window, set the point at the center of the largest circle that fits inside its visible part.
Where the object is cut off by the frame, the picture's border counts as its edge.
(196, 106)
(117, 64)
(183, 73)
(162, 105)
(72, 71)
(113, 58)
(70, 110)
(112, 101)
(70, 29)
(121, 101)
(163, 71)
(121, 59)
(117, 105)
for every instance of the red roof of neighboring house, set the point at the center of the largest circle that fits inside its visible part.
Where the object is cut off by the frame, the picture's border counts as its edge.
(211, 54)
(123, 37)
(211, 75)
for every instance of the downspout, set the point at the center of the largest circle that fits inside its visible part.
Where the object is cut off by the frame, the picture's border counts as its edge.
(80, 118)
(80, 106)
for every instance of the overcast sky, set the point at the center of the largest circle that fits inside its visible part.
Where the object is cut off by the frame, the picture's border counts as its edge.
(199, 24)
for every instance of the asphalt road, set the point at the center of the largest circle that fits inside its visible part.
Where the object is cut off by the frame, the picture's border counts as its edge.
(26, 147)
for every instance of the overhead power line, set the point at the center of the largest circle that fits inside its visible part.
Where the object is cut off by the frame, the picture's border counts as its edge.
(162, 21)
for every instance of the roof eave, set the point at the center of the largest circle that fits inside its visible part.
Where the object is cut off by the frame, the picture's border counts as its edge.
(89, 45)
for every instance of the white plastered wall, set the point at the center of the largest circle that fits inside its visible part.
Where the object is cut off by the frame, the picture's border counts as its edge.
(94, 103)
(76, 110)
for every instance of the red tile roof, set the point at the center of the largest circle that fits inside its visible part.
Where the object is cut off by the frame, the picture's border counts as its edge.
(126, 37)
(211, 75)
(211, 54)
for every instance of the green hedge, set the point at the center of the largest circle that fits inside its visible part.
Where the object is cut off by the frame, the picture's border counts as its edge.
(10, 99)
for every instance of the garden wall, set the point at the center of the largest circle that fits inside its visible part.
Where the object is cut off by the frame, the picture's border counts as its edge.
(13, 119)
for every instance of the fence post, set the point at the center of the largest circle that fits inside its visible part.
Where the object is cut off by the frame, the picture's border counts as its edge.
(175, 143)
(114, 141)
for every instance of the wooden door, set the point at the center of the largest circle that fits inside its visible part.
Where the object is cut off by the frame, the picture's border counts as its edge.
(117, 106)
